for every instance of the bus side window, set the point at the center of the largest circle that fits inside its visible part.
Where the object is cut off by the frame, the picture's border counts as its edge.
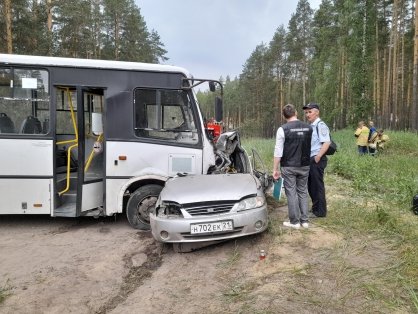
(7, 125)
(24, 100)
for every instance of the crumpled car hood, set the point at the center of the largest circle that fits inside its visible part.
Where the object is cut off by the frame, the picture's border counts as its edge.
(203, 188)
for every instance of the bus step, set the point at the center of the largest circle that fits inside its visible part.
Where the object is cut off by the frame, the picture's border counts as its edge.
(66, 210)
(68, 198)
(61, 185)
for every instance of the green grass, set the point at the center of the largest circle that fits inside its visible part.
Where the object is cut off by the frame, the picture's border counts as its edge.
(232, 259)
(370, 197)
(5, 291)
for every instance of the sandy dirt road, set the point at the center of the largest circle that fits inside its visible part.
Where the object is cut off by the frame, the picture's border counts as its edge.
(55, 265)
(51, 265)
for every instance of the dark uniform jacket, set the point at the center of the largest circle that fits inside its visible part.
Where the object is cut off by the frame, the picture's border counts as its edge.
(297, 144)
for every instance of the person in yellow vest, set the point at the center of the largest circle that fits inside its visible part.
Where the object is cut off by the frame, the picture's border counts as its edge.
(362, 135)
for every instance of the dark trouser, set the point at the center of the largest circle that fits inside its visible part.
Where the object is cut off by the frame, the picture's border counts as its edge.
(362, 150)
(316, 187)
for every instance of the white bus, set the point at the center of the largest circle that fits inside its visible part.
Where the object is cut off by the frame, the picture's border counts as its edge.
(91, 137)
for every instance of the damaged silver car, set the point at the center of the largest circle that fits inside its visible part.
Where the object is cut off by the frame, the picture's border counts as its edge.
(209, 207)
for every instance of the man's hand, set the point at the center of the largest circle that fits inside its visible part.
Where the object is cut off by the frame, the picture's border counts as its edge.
(322, 151)
(276, 174)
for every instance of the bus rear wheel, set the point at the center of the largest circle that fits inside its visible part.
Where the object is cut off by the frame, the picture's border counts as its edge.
(141, 204)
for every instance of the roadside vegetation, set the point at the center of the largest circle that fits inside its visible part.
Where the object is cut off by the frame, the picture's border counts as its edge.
(4, 291)
(370, 200)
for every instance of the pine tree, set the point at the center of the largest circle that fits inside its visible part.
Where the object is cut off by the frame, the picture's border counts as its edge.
(299, 43)
(280, 71)
(326, 68)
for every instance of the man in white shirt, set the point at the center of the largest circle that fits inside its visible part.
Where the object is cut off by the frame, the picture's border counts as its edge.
(320, 143)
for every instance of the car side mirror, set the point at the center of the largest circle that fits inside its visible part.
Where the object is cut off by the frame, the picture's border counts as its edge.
(218, 109)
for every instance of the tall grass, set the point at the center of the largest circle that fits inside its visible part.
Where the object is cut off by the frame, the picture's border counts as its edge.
(375, 198)
(264, 148)
(391, 175)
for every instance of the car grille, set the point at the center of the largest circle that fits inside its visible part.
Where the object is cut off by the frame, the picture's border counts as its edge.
(209, 208)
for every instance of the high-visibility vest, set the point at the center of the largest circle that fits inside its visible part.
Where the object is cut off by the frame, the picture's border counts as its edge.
(362, 135)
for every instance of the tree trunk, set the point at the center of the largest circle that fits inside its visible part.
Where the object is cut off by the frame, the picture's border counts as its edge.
(342, 89)
(49, 26)
(402, 112)
(389, 80)
(395, 75)
(377, 98)
(281, 100)
(49, 12)
(8, 13)
(116, 37)
(414, 106)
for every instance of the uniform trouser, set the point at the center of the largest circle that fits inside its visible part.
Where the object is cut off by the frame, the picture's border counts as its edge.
(316, 187)
(295, 181)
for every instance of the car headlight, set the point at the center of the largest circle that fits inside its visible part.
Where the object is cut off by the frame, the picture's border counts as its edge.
(168, 210)
(250, 203)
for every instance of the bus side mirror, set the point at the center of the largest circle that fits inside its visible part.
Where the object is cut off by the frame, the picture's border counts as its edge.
(218, 109)
(212, 87)
(96, 123)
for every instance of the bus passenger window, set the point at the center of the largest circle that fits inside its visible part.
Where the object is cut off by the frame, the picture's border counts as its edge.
(24, 101)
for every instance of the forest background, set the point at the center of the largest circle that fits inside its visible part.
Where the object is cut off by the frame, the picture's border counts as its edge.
(356, 58)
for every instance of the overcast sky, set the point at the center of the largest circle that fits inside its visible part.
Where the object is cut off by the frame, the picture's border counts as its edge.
(214, 38)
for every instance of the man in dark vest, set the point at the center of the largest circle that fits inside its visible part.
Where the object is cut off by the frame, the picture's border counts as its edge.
(292, 153)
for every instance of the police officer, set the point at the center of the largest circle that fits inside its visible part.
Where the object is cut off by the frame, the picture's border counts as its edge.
(319, 145)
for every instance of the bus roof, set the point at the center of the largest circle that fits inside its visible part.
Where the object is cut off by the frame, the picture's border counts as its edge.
(89, 63)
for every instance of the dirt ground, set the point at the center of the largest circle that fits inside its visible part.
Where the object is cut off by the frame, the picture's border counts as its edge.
(51, 265)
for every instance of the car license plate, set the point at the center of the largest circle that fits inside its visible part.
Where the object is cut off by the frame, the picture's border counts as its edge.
(210, 227)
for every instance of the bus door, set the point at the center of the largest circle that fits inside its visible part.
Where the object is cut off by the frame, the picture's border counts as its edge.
(79, 150)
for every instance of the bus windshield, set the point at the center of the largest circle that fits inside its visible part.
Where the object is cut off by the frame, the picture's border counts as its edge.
(165, 114)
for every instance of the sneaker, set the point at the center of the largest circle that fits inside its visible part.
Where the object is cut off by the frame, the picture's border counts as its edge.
(305, 225)
(290, 225)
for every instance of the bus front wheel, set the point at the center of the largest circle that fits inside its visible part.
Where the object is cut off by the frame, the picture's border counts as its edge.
(141, 204)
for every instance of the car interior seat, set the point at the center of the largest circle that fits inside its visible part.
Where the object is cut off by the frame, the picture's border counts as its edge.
(6, 124)
(31, 125)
